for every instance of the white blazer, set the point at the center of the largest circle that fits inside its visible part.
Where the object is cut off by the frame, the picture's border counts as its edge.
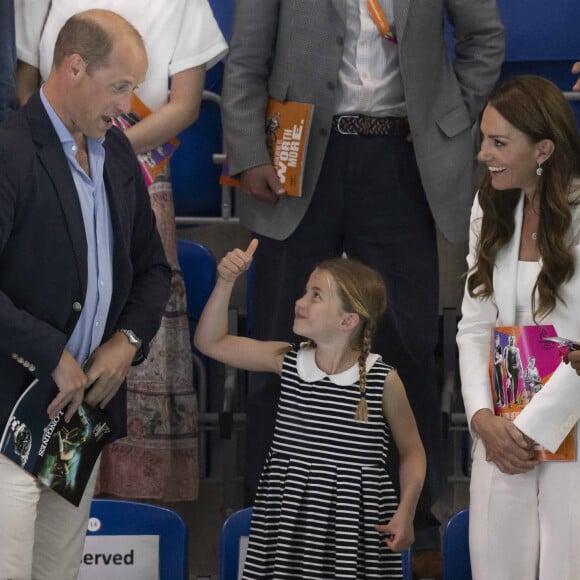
(552, 412)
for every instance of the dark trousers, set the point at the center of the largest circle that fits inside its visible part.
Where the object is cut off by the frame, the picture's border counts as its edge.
(369, 202)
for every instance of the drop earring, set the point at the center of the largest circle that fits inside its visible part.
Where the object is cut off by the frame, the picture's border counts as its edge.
(539, 170)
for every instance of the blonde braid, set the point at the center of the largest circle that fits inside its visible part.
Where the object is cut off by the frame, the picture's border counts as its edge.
(362, 409)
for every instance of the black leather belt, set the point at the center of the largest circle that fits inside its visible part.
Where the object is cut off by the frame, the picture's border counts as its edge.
(364, 125)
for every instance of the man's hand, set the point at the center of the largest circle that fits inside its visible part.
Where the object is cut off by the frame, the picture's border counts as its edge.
(262, 183)
(107, 368)
(504, 443)
(71, 382)
(576, 71)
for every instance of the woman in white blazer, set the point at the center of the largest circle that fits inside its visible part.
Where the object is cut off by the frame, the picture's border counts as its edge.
(524, 268)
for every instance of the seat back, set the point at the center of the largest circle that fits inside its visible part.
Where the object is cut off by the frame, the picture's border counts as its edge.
(198, 266)
(134, 541)
(456, 563)
(406, 556)
(194, 175)
(233, 543)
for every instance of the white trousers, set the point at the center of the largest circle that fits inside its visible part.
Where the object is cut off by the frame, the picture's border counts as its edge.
(527, 526)
(41, 534)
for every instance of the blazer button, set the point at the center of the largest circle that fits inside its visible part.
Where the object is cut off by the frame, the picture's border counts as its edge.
(77, 306)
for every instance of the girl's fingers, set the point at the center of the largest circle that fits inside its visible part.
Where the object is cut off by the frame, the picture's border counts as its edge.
(251, 248)
(238, 261)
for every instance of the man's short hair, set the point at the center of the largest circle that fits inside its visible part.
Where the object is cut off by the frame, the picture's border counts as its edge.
(91, 34)
(86, 37)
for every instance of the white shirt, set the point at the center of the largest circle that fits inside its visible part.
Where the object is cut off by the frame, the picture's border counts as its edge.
(369, 77)
(178, 34)
(528, 273)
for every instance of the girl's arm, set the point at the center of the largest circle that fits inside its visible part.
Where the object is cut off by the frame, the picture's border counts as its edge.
(180, 111)
(27, 81)
(412, 465)
(211, 336)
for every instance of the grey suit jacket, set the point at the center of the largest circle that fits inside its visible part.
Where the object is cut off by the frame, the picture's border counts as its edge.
(291, 50)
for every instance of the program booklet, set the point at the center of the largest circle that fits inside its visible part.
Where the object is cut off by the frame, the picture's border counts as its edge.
(287, 132)
(523, 358)
(60, 455)
(155, 160)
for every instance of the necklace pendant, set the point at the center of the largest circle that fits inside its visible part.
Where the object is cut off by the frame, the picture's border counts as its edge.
(534, 235)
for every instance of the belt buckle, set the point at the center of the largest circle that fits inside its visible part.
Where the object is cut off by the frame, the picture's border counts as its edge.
(338, 121)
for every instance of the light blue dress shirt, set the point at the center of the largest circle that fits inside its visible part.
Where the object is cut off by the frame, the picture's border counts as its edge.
(88, 332)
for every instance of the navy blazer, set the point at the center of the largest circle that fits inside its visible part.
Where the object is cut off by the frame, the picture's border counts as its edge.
(43, 253)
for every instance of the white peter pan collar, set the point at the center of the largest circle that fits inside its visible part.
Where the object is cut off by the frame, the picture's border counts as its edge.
(308, 370)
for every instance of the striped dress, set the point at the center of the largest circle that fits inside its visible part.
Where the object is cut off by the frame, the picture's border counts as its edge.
(324, 485)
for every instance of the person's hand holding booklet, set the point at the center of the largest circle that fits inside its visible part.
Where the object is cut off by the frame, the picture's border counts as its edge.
(565, 345)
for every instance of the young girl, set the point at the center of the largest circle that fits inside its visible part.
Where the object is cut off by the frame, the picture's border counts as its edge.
(325, 506)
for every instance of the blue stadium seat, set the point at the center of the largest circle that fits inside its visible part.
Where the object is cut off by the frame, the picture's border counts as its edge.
(223, 11)
(194, 175)
(119, 540)
(456, 562)
(541, 42)
(233, 540)
(198, 266)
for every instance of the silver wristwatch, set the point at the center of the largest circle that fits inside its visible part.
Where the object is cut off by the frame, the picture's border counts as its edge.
(131, 337)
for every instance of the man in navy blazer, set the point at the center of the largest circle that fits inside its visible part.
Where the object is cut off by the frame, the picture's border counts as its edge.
(83, 274)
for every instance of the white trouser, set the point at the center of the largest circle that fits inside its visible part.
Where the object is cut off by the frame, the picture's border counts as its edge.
(41, 534)
(527, 526)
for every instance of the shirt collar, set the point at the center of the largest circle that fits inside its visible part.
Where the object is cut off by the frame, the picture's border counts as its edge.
(308, 370)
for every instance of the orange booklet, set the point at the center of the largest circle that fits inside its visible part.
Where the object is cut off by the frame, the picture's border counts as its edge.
(155, 160)
(287, 132)
(523, 358)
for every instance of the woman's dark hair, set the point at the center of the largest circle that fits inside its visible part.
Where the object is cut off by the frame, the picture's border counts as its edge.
(537, 108)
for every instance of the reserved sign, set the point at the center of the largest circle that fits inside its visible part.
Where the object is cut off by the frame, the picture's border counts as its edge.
(120, 558)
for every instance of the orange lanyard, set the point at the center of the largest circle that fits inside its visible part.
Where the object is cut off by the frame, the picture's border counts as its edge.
(380, 20)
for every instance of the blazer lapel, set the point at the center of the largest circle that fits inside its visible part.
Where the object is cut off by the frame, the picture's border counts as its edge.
(56, 166)
(401, 9)
(340, 7)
